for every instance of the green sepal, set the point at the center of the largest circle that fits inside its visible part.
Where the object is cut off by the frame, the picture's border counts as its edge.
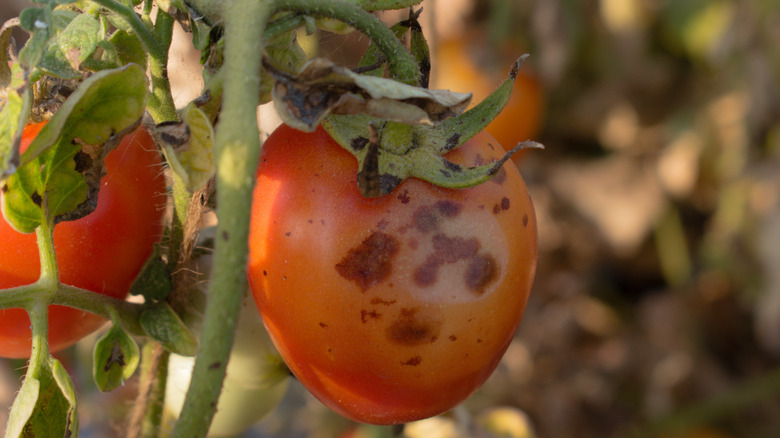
(390, 152)
(154, 280)
(162, 324)
(71, 47)
(60, 172)
(45, 405)
(115, 358)
(384, 5)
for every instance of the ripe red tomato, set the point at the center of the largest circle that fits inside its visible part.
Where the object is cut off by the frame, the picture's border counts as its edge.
(464, 64)
(102, 251)
(390, 309)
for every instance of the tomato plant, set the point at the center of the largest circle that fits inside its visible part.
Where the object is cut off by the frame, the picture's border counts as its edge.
(464, 64)
(102, 251)
(394, 308)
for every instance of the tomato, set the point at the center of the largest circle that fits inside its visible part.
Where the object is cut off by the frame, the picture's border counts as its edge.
(102, 251)
(464, 64)
(389, 309)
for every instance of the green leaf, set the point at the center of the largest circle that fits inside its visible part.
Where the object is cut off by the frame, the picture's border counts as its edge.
(162, 324)
(384, 5)
(60, 172)
(115, 358)
(128, 48)
(71, 47)
(154, 280)
(45, 405)
(12, 118)
(37, 21)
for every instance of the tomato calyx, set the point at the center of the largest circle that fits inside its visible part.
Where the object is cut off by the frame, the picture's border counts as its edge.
(389, 152)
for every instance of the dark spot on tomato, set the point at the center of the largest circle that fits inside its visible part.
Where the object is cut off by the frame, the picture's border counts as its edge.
(323, 325)
(496, 209)
(445, 250)
(366, 315)
(425, 219)
(414, 361)
(371, 262)
(426, 274)
(504, 203)
(310, 221)
(265, 273)
(410, 329)
(481, 271)
(479, 160)
(382, 224)
(525, 220)
(479, 341)
(499, 177)
(288, 233)
(448, 208)
(358, 143)
(404, 197)
(382, 302)
(453, 338)
(322, 221)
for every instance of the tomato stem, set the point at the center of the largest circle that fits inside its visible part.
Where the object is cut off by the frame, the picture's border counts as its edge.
(403, 66)
(237, 151)
(39, 321)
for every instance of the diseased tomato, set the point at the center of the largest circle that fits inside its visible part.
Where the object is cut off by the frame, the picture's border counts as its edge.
(102, 251)
(390, 309)
(463, 64)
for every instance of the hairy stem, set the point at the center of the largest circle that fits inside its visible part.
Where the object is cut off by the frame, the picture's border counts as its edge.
(237, 152)
(403, 66)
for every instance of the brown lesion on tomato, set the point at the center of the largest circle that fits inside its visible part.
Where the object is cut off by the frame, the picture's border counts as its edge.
(368, 315)
(414, 361)
(480, 273)
(404, 197)
(371, 262)
(427, 218)
(525, 220)
(323, 325)
(376, 301)
(446, 250)
(412, 329)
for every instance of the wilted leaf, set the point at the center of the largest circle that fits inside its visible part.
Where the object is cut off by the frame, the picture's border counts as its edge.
(188, 147)
(323, 88)
(60, 172)
(72, 46)
(12, 117)
(115, 358)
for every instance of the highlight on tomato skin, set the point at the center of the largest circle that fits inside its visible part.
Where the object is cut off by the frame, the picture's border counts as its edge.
(391, 309)
(102, 251)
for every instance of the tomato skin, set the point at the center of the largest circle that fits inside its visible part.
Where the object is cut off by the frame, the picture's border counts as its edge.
(392, 309)
(102, 251)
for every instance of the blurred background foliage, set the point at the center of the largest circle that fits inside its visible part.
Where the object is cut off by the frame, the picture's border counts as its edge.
(656, 310)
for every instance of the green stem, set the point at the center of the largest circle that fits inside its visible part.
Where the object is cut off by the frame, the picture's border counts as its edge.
(39, 356)
(153, 47)
(403, 66)
(49, 278)
(237, 153)
(160, 104)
